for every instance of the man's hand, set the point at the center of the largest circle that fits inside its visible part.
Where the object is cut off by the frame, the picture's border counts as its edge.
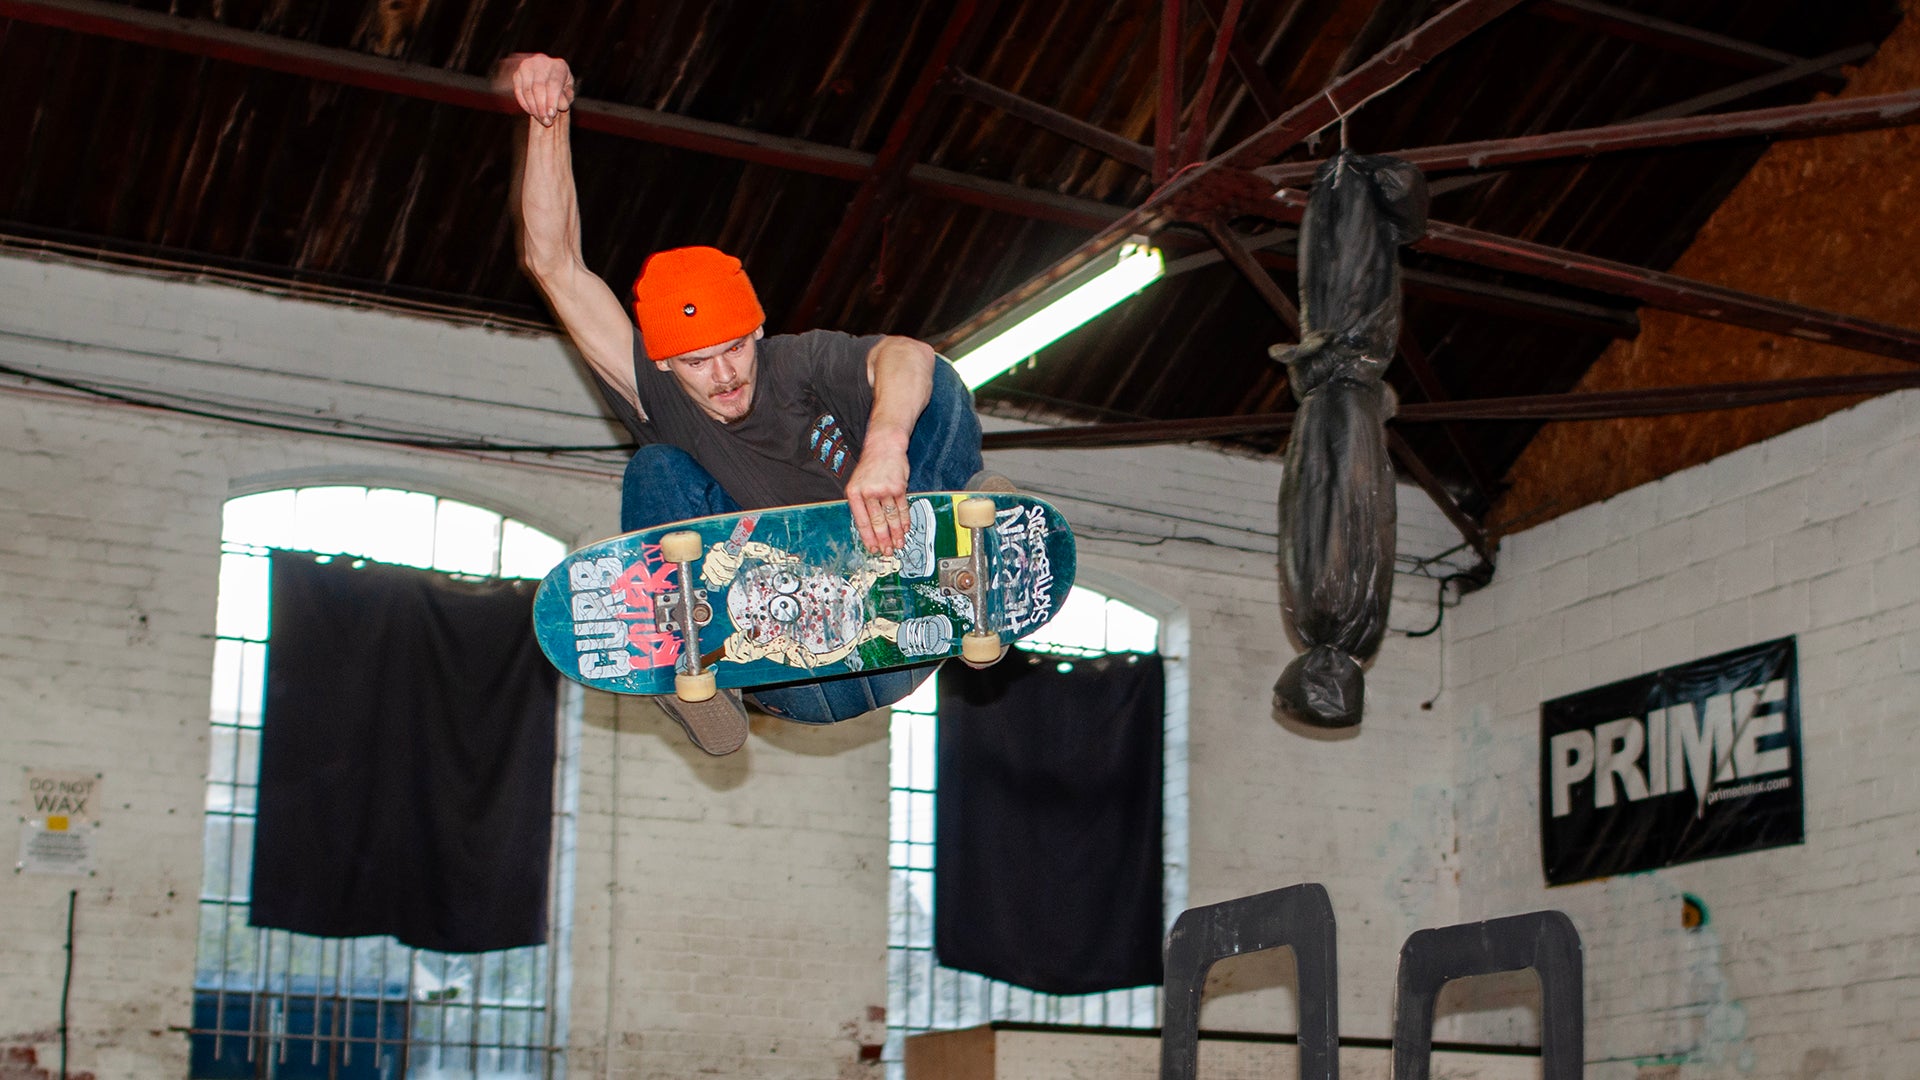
(542, 84)
(900, 371)
(877, 494)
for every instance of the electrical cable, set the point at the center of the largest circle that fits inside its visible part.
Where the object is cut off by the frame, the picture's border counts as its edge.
(66, 985)
(1440, 606)
(299, 429)
(1416, 568)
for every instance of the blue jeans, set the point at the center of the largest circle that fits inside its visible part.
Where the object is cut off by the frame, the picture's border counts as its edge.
(664, 484)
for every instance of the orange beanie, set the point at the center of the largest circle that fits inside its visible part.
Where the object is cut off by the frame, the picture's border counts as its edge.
(693, 297)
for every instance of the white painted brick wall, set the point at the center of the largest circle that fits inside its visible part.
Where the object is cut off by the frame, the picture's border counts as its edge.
(1810, 964)
(729, 914)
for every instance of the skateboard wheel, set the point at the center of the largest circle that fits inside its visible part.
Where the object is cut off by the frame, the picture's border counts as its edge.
(974, 513)
(980, 648)
(694, 687)
(680, 547)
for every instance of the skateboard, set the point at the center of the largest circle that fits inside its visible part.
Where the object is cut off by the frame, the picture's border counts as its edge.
(790, 594)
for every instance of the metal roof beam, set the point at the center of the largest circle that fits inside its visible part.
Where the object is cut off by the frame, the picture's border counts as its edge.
(1787, 122)
(1727, 95)
(1470, 530)
(1420, 365)
(1118, 147)
(1670, 292)
(1235, 251)
(1676, 37)
(882, 187)
(1385, 70)
(1196, 186)
(1654, 288)
(199, 37)
(1533, 408)
(1166, 117)
(1193, 145)
(1578, 315)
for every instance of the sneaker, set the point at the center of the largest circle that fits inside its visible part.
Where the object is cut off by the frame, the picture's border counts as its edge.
(717, 725)
(988, 480)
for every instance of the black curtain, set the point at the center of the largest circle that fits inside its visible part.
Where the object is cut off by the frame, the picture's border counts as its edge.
(1047, 836)
(406, 758)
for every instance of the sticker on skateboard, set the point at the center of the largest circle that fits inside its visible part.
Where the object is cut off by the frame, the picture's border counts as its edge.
(790, 594)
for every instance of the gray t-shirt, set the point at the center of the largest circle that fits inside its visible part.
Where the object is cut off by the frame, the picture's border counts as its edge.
(811, 400)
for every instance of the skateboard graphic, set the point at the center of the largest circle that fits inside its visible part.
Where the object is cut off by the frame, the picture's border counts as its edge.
(790, 594)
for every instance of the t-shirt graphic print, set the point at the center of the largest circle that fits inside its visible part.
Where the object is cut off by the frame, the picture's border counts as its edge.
(831, 447)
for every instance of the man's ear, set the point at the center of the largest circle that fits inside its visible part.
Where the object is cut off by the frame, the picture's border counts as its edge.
(662, 365)
(759, 332)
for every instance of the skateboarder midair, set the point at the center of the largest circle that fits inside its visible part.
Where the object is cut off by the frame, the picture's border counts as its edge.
(729, 418)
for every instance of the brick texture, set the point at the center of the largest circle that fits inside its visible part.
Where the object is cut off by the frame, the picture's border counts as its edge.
(729, 915)
(1810, 962)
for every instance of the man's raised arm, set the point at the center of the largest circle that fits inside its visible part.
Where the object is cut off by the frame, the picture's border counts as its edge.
(549, 217)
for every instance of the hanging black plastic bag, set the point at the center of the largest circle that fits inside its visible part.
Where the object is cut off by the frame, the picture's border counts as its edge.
(1337, 514)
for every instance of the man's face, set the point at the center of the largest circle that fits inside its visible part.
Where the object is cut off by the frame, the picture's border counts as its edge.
(718, 378)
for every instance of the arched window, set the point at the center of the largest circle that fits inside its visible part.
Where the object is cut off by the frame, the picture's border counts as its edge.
(921, 994)
(356, 1007)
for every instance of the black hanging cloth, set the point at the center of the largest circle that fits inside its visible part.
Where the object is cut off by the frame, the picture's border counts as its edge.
(406, 758)
(1047, 835)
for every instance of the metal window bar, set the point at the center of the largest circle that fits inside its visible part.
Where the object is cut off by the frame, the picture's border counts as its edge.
(504, 1004)
(924, 996)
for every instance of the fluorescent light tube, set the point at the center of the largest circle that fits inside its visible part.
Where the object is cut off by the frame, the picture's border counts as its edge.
(1058, 311)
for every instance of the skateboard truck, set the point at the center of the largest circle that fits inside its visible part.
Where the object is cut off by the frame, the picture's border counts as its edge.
(693, 682)
(980, 647)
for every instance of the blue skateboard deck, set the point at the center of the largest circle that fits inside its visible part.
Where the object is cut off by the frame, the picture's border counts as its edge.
(790, 594)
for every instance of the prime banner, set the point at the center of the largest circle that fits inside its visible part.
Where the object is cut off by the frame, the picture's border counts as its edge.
(1689, 762)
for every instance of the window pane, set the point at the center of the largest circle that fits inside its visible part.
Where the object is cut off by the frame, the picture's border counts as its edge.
(221, 767)
(467, 540)
(226, 682)
(528, 553)
(920, 817)
(919, 909)
(899, 809)
(1131, 630)
(216, 865)
(398, 527)
(924, 699)
(242, 608)
(921, 742)
(264, 520)
(330, 520)
(1080, 624)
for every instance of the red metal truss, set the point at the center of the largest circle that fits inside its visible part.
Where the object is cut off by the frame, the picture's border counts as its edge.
(1675, 37)
(1787, 122)
(1654, 288)
(1595, 405)
(1092, 136)
(883, 185)
(200, 37)
(1193, 145)
(1167, 111)
(1197, 188)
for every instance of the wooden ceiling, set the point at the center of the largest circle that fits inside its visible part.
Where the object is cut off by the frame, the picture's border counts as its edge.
(906, 166)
